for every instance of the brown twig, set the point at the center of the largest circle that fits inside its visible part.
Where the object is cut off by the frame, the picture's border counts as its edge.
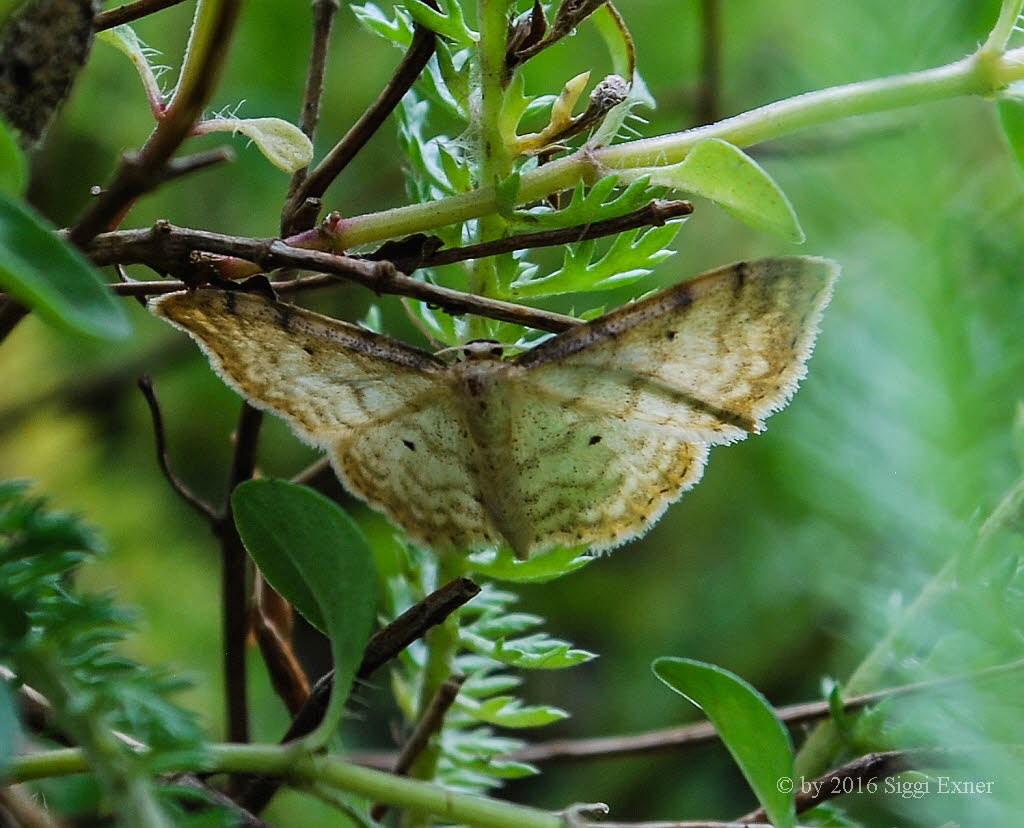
(673, 738)
(655, 213)
(145, 384)
(234, 594)
(429, 724)
(569, 15)
(419, 53)
(856, 774)
(20, 810)
(131, 11)
(709, 86)
(142, 171)
(177, 167)
(166, 248)
(383, 645)
(301, 215)
(286, 674)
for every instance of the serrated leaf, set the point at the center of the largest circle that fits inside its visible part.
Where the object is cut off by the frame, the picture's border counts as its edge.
(448, 22)
(747, 725)
(329, 564)
(589, 205)
(54, 278)
(125, 40)
(397, 30)
(508, 711)
(13, 167)
(726, 175)
(504, 624)
(282, 143)
(535, 652)
(498, 768)
(10, 729)
(480, 685)
(502, 565)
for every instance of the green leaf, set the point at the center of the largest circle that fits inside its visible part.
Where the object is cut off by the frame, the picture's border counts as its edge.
(534, 652)
(398, 29)
(13, 168)
(282, 143)
(499, 768)
(330, 565)
(448, 22)
(502, 565)
(53, 278)
(14, 623)
(1011, 115)
(748, 726)
(10, 730)
(733, 180)
(508, 711)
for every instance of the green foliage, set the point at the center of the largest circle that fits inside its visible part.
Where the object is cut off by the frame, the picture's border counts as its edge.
(748, 727)
(306, 543)
(13, 169)
(69, 651)
(53, 278)
(733, 180)
(10, 731)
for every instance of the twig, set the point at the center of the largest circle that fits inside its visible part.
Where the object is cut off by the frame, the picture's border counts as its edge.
(234, 595)
(569, 15)
(140, 172)
(131, 11)
(704, 732)
(166, 248)
(429, 724)
(301, 215)
(710, 85)
(312, 471)
(656, 213)
(18, 808)
(177, 167)
(420, 51)
(854, 775)
(145, 384)
(286, 674)
(383, 645)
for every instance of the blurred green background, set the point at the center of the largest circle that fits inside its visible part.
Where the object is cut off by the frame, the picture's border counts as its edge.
(799, 547)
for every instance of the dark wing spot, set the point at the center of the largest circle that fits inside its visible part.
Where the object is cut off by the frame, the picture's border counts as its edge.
(670, 335)
(595, 440)
(308, 350)
(409, 444)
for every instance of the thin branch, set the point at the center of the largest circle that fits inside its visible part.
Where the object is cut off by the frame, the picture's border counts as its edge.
(655, 213)
(177, 167)
(166, 248)
(131, 11)
(383, 645)
(856, 774)
(429, 724)
(286, 674)
(18, 808)
(312, 471)
(420, 51)
(234, 595)
(710, 85)
(301, 215)
(145, 384)
(569, 15)
(140, 172)
(704, 732)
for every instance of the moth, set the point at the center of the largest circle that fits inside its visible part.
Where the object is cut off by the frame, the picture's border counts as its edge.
(583, 440)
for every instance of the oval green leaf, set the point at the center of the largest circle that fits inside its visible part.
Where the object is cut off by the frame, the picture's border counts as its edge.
(53, 278)
(726, 175)
(282, 143)
(318, 558)
(748, 727)
(13, 169)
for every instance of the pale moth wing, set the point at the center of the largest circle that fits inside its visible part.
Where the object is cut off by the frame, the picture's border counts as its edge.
(583, 440)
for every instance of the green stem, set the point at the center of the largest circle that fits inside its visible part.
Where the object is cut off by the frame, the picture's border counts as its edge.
(975, 75)
(304, 769)
(995, 45)
(495, 160)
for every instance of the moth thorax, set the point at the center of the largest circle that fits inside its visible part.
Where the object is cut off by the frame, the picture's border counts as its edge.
(482, 349)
